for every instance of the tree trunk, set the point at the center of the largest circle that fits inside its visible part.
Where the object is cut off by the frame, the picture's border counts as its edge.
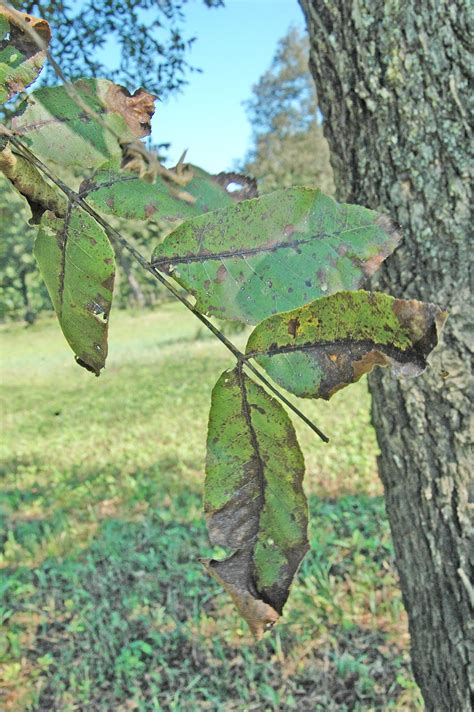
(392, 82)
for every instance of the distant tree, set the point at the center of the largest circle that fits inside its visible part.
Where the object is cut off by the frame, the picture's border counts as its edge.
(288, 143)
(149, 35)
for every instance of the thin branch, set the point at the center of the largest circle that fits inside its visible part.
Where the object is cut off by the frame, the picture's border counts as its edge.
(74, 197)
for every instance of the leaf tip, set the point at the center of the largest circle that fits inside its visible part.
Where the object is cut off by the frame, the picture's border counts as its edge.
(92, 368)
(260, 616)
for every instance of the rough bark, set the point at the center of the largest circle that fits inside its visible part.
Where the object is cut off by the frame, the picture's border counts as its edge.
(392, 83)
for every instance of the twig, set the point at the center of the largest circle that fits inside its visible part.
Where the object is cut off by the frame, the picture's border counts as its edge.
(115, 234)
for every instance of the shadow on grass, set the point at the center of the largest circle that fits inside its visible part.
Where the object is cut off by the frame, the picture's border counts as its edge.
(133, 622)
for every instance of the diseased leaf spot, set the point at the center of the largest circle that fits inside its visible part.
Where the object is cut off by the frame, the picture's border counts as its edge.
(221, 275)
(293, 325)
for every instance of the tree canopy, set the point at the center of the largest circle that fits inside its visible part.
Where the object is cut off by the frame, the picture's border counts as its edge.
(149, 35)
(288, 143)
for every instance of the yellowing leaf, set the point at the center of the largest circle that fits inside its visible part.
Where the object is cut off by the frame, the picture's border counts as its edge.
(254, 499)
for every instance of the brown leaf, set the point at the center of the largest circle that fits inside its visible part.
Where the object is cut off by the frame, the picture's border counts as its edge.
(137, 109)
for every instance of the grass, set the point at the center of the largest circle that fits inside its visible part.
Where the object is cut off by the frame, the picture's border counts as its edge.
(104, 603)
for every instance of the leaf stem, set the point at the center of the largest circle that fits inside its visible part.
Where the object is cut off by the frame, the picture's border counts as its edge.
(115, 234)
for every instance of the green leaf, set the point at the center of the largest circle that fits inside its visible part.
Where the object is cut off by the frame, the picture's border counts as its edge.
(58, 128)
(253, 498)
(21, 60)
(318, 349)
(126, 195)
(77, 263)
(275, 253)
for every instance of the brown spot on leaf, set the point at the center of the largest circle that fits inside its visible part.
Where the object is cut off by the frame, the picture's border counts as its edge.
(288, 230)
(367, 361)
(221, 275)
(293, 326)
(109, 283)
(150, 210)
(372, 264)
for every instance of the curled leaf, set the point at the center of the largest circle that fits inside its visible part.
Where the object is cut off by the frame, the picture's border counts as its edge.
(318, 349)
(27, 179)
(21, 59)
(85, 123)
(274, 253)
(124, 194)
(77, 264)
(253, 498)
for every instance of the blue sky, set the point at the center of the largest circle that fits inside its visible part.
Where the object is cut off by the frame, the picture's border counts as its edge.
(234, 46)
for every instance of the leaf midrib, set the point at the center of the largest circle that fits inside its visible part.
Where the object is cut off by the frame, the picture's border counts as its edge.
(237, 253)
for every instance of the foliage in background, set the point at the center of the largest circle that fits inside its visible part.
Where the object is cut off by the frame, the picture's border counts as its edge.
(289, 147)
(149, 34)
(22, 291)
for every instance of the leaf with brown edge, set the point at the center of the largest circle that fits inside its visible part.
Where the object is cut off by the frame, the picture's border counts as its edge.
(21, 59)
(324, 346)
(77, 264)
(84, 124)
(253, 498)
(273, 253)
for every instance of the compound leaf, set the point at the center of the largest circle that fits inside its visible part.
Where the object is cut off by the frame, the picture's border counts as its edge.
(77, 263)
(274, 253)
(253, 499)
(84, 124)
(21, 60)
(318, 349)
(126, 195)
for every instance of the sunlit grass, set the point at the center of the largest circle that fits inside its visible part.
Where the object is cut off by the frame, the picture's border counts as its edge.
(106, 606)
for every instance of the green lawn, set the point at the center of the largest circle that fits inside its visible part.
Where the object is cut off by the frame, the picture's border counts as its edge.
(104, 603)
